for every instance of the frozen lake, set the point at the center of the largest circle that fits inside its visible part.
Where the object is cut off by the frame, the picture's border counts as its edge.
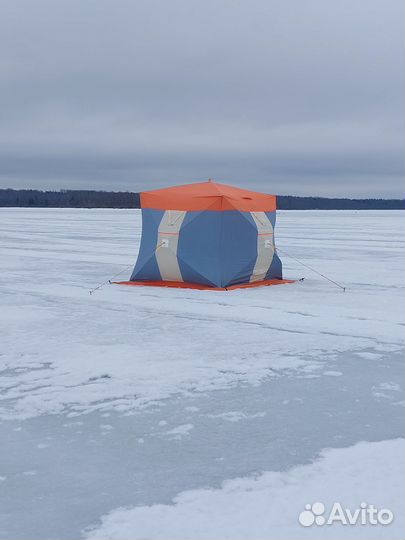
(134, 395)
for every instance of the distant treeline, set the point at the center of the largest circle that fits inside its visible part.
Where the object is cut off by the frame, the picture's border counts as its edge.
(123, 199)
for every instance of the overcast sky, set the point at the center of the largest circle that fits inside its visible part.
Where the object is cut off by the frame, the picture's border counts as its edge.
(285, 96)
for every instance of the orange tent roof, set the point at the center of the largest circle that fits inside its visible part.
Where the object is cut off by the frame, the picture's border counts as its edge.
(208, 196)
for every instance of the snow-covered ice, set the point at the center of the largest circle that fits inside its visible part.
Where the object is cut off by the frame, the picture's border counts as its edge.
(132, 396)
(267, 506)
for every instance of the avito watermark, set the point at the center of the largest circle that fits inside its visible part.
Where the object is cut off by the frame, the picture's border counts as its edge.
(365, 514)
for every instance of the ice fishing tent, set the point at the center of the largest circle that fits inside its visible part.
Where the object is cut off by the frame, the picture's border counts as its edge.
(207, 235)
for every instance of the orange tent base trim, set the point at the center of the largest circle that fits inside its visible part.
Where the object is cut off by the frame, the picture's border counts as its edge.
(185, 285)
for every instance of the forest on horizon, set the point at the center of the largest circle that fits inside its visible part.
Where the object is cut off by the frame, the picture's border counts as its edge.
(67, 198)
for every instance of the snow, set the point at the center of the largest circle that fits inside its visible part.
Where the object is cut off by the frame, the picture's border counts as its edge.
(97, 385)
(268, 506)
(180, 431)
(51, 258)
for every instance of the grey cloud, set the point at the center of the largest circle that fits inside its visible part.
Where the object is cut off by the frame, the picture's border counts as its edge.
(293, 97)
